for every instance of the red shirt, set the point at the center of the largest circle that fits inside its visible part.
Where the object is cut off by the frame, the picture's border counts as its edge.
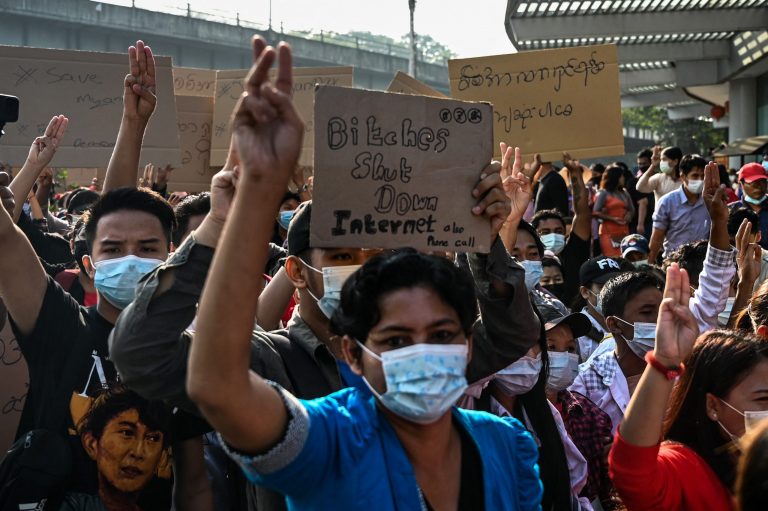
(664, 477)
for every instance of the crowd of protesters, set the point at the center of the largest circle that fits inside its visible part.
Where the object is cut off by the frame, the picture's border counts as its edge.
(197, 352)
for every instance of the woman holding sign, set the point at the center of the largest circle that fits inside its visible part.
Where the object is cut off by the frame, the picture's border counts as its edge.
(614, 208)
(405, 323)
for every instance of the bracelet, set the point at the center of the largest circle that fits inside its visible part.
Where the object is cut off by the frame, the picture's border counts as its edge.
(670, 373)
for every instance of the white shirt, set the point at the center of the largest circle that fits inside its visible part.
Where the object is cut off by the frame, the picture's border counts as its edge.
(587, 345)
(601, 380)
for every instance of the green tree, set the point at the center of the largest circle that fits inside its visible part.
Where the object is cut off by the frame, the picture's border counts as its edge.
(690, 135)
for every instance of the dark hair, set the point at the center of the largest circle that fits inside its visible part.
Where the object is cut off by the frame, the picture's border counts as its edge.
(751, 484)
(690, 162)
(405, 269)
(620, 164)
(674, 153)
(690, 257)
(132, 199)
(611, 177)
(116, 399)
(719, 361)
(79, 244)
(645, 153)
(737, 215)
(192, 205)
(553, 463)
(547, 262)
(598, 167)
(289, 195)
(546, 214)
(525, 226)
(622, 288)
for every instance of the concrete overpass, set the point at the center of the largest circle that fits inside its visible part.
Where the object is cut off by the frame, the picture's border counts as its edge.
(192, 41)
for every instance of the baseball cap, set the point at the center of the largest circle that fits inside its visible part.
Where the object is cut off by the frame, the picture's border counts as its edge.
(298, 230)
(634, 243)
(752, 172)
(81, 200)
(598, 270)
(578, 322)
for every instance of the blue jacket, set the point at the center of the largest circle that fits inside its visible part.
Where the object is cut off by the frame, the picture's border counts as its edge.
(350, 458)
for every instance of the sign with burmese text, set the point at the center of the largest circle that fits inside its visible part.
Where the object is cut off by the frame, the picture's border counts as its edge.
(230, 86)
(397, 170)
(548, 101)
(87, 87)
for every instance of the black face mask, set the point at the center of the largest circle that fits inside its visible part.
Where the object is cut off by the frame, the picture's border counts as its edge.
(558, 290)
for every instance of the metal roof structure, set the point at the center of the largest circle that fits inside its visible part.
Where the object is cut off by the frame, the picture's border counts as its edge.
(665, 46)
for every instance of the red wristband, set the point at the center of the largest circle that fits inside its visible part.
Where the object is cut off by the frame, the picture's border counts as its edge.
(670, 373)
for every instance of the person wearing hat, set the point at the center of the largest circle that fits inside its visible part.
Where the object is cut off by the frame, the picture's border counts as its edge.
(753, 179)
(593, 274)
(588, 427)
(634, 248)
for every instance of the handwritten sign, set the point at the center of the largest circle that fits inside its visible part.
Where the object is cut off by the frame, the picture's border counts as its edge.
(14, 381)
(548, 101)
(87, 87)
(406, 84)
(190, 81)
(229, 87)
(396, 170)
(195, 118)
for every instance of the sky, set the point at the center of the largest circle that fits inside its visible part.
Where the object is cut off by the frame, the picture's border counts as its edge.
(469, 28)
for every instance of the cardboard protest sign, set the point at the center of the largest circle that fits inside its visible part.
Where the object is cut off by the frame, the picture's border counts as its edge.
(195, 118)
(190, 81)
(229, 87)
(397, 170)
(14, 381)
(548, 101)
(87, 87)
(406, 84)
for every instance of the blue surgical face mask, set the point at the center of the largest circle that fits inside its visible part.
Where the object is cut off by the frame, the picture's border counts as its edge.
(750, 200)
(519, 377)
(563, 368)
(423, 380)
(333, 280)
(644, 339)
(533, 273)
(284, 220)
(554, 242)
(116, 279)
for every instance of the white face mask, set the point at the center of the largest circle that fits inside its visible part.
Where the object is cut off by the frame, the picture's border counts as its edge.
(751, 418)
(520, 376)
(563, 368)
(665, 167)
(334, 278)
(695, 186)
(644, 339)
(640, 263)
(554, 242)
(723, 317)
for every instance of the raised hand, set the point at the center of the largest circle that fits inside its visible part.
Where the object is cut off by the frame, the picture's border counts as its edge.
(516, 185)
(571, 164)
(176, 197)
(676, 328)
(6, 195)
(656, 156)
(714, 194)
(748, 256)
(44, 147)
(493, 202)
(266, 128)
(139, 98)
(148, 176)
(162, 176)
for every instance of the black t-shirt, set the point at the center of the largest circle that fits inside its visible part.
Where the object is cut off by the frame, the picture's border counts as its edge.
(471, 493)
(67, 357)
(552, 193)
(574, 254)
